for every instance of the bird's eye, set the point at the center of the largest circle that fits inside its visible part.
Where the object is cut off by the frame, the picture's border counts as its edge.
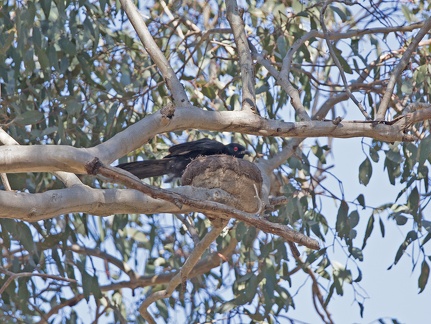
(235, 148)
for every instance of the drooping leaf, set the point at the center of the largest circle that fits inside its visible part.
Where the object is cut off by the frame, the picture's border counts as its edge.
(361, 201)
(424, 150)
(401, 219)
(382, 227)
(29, 117)
(365, 172)
(423, 278)
(368, 230)
(410, 237)
(341, 223)
(357, 254)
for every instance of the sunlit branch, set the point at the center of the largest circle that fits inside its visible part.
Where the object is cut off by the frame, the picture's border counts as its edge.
(384, 104)
(283, 80)
(245, 62)
(174, 84)
(68, 179)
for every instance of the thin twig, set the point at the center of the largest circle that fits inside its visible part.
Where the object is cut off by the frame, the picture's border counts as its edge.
(13, 276)
(123, 266)
(337, 62)
(189, 226)
(316, 293)
(191, 261)
(283, 80)
(384, 104)
(54, 310)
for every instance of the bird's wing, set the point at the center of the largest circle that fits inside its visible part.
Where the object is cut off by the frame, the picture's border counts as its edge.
(203, 146)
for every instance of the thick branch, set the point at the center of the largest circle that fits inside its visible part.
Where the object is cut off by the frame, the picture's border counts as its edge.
(46, 158)
(102, 202)
(245, 62)
(384, 104)
(68, 179)
(175, 86)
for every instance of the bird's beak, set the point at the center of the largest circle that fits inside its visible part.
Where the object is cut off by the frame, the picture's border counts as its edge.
(246, 152)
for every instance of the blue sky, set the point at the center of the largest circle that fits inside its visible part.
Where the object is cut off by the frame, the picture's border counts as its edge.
(391, 293)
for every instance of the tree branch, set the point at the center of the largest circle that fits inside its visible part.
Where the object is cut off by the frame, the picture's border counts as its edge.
(47, 158)
(337, 61)
(283, 77)
(13, 276)
(174, 85)
(182, 275)
(54, 310)
(217, 210)
(384, 104)
(369, 31)
(245, 62)
(209, 262)
(68, 179)
(102, 202)
(120, 264)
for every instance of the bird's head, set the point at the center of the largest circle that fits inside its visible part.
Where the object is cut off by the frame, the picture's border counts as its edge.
(236, 150)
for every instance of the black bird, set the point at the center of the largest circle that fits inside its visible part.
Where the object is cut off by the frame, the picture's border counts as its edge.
(180, 156)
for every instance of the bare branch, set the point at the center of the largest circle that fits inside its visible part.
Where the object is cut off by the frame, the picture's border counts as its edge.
(245, 62)
(214, 209)
(209, 262)
(102, 202)
(283, 78)
(384, 104)
(5, 181)
(281, 157)
(13, 276)
(337, 62)
(369, 31)
(174, 85)
(6, 139)
(68, 179)
(123, 266)
(189, 226)
(171, 16)
(54, 310)
(46, 158)
(182, 275)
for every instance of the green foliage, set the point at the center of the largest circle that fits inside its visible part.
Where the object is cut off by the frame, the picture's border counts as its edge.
(73, 72)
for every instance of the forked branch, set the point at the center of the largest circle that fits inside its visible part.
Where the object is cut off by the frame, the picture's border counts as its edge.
(182, 275)
(244, 55)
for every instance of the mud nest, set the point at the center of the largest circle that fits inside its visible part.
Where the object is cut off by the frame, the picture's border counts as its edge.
(240, 178)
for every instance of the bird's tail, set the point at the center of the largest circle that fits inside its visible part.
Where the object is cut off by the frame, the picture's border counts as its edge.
(146, 169)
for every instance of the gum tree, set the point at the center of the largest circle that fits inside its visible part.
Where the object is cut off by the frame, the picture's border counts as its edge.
(87, 84)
